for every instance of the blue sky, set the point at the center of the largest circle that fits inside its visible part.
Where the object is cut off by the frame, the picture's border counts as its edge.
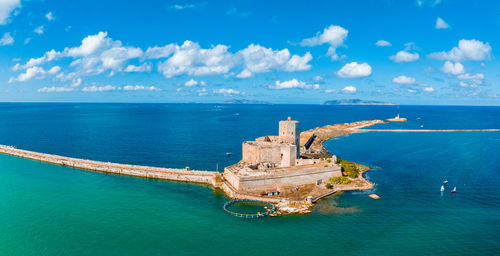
(406, 52)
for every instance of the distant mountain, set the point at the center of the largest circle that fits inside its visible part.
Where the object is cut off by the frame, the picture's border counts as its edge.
(243, 101)
(355, 102)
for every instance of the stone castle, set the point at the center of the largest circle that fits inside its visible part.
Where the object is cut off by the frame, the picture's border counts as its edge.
(273, 165)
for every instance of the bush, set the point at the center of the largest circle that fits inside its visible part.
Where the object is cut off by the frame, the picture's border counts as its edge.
(340, 180)
(329, 185)
(349, 168)
(329, 160)
(352, 173)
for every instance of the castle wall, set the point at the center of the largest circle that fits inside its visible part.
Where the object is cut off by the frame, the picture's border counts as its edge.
(261, 152)
(285, 179)
(288, 155)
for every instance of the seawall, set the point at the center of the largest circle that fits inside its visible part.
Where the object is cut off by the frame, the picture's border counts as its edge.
(427, 130)
(205, 177)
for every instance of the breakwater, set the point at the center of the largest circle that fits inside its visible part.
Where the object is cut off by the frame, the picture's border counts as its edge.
(186, 175)
(427, 130)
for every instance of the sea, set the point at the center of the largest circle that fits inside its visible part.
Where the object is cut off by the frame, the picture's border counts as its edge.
(51, 210)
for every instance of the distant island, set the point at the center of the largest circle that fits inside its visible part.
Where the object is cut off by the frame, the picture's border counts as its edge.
(355, 102)
(244, 101)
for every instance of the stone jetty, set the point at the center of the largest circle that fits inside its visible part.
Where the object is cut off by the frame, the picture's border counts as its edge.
(428, 130)
(186, 175)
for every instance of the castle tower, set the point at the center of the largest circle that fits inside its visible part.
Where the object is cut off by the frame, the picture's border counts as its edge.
(289, 132)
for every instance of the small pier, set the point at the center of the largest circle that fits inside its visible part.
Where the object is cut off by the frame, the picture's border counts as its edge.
(327, 194)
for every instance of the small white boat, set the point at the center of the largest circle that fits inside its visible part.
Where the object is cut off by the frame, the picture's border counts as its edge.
(442, 188)
(228, 153)
(454, 190)
(446, 181)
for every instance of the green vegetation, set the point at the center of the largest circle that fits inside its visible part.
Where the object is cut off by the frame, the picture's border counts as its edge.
(329, 185)
(329, 160)
(340, 180)
(348, 168)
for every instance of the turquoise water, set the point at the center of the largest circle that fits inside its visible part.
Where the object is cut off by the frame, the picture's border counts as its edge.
(54, 210)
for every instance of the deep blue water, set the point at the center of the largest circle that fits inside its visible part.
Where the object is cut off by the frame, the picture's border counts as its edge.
(54, 210)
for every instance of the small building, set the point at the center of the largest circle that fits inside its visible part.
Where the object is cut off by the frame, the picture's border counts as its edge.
(273, 192)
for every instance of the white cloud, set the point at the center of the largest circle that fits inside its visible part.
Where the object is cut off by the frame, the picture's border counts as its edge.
(99, 53)
(332, 35)
(6, 39)
(89, 45)
(54, 70)
(471, 80)
(294, 83)
(441, 24)
(355, 70)
(382, 43)
(107, 88)
(146, 67)
(258, 59)
(191, 82)
(183, 7)
(76, 82)
(96, 54)
(202, 92)
(39, 30)
(236, 12)
(404, 80)
(466, 50)
(404, 56)
(317, 78)
(244, 74)
(451, 68)
(469, 76)
(157, 52)
(349, 89)
(115, 57)
(66, 77)
(331, 91)
(55, 89)
(428, 89)
(6, 7)
(50, 16)
(467, 85)
(227, 92)
(191, 59)
(34, 72)
(412, 91)
(140, 88)
(47, 57)
(104, 88)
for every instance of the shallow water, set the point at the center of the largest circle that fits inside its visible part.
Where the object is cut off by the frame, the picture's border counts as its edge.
(55, 210)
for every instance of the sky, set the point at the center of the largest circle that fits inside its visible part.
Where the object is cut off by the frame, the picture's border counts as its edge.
(422, 52)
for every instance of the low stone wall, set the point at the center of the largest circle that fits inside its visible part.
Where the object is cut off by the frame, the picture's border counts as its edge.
(206, 177)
